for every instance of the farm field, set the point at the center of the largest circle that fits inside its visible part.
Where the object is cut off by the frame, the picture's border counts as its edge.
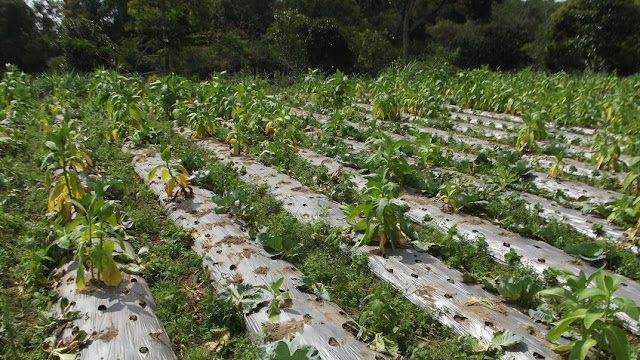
(424, 214)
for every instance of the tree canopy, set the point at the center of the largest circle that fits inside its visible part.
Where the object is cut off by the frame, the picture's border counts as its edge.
(196, 37)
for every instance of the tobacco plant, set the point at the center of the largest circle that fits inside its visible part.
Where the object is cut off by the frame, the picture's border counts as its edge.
(387, 156)
(631, 182)
(382, 219)
(607, 151)
(172, 175)
(63, 163)
(531, 132)
(557, 169)
(89, 234)
(277, 296)
(592, 310)
(287, 350)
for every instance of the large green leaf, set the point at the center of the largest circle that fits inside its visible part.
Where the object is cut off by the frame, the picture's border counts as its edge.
(617, 342)
(581, 349)
(564, 323)
(505, 339)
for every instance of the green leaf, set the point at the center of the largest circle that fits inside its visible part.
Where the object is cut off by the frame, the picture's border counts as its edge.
(617, 342)
(152, 173)
(101, 257)
(274, 310)
(275, 286)
(564, 323)
(587, 251)
(80, 276)
(589, 293)
(544, 313)
(581, 349)
(593, 315)
(505, 339)
(627, 306)
(165, 155)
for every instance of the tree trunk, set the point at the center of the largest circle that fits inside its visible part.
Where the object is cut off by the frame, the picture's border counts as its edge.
(406, 16)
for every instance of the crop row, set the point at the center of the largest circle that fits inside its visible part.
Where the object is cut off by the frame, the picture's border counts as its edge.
(375, 210)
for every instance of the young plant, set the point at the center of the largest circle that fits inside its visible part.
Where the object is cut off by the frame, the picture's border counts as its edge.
(502, 340)
(246, 297)
(557, 169)
(238, 138)
(457, 194)
(607, 151)
(172, 175)
(593, 310)
(198, 116)
(125, 108)
(62, 163)
(89, 235)
(234, 203)
(631, 182)
(428, 153)
(388, 157)
(532, 131)
(382, 218)
(277, 296)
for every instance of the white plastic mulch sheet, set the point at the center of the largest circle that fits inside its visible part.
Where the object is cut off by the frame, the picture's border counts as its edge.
(231, 258)
(120, 321)
(467, 308)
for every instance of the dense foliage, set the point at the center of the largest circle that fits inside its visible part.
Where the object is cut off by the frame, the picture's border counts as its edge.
(196, 38)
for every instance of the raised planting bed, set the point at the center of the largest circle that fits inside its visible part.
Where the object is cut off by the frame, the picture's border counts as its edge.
(551, 209)
(467, 308)
(536, 254)
(232, 258)
(571, 188)
(119, 321)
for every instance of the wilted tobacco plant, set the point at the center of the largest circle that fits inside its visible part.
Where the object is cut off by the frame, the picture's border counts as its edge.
(172, 175)
(65, 158)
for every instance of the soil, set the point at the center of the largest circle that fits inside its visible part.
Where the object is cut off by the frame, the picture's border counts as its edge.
(246, 252)
(284, 330)
(473, 222)
(426, 292)
(232, 239)
(107, 334)
(235, 279)
(262, 270)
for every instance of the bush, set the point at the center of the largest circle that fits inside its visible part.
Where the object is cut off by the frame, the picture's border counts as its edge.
(374, 51)
(499, 45)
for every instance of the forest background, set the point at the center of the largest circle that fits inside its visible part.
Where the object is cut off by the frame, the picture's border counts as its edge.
(196, 37)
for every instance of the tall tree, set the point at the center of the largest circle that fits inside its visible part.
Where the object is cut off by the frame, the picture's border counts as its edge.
(27, 37)
(413, 14)
(110, 15)
(168, 25)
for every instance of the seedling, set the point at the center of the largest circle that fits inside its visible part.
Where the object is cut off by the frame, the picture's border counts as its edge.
(277, 296)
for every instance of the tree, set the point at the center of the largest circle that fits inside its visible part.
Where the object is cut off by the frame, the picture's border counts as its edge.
(413, 14)
(601, 35)
(166, 26)
(17, 29)
(84, 45)
(327, 49)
